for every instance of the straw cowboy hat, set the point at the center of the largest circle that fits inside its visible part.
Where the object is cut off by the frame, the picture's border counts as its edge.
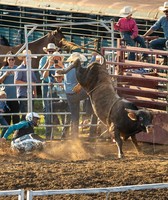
(50, 46)
(24, 54)
(126, 11)
(164, 7)
(75, 56)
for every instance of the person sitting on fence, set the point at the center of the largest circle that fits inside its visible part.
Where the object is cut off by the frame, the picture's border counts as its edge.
(24, 138)
(162, 22)
(3, 108)
(129, 31)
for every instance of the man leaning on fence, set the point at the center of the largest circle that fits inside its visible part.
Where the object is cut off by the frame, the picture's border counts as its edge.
(20, 78)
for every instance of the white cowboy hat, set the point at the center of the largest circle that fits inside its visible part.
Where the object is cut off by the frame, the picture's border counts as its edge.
(57, 54)
(75, 56)
(58, 75)
(164, 7)
(24, 53)
(126, 11)
(50, 46)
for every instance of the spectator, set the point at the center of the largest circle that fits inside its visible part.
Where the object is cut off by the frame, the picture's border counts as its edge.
(73, 97)
(20, 78)
(47, 62)
(7, 77)
(62, 104)
(162, 22)
(43, 64)
(3, 108)
(24, 138)
(128, 29)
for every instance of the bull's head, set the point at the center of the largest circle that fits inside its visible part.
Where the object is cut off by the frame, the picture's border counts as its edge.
(143, 118)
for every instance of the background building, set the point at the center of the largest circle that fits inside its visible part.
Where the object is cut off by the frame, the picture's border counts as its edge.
(15, 14)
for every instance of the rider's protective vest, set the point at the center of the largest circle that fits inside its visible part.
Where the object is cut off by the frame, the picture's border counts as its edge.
(23, 131)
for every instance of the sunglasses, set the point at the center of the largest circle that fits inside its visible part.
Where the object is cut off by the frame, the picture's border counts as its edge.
(11, 59)
(166, 11)
(51, 51)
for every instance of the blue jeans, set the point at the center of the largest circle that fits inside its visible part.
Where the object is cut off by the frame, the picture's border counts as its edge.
(126, 36)
(4, 123)
(74, 106)
(159, 44)
(46, 109)
(62, 106)
(23, 107)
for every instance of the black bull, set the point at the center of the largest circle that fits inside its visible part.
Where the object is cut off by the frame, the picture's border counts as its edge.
(122, 117)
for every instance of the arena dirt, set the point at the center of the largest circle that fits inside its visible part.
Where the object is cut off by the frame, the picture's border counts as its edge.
(84, 164)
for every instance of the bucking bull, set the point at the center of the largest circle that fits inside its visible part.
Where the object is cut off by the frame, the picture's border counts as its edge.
(122, 117)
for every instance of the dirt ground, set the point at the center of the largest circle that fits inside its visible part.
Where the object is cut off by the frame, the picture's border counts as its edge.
(85, 164)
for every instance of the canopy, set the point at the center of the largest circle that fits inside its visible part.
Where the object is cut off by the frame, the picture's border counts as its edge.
(146, 10)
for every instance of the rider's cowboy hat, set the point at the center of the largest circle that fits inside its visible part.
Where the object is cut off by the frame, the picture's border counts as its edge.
(75, 56)
(50, 46)
(24, 54)
(126, 11)
(164, 7)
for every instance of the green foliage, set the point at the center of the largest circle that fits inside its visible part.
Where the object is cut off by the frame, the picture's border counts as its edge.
(38, 107)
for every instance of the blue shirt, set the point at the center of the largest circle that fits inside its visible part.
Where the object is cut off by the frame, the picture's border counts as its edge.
(50, 78)
(15, 127)
(22, 76)
(59, 89)
(10, 90)
(162, 22)
(70, 81)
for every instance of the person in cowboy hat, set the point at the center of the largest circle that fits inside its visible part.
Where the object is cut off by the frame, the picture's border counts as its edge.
(20, 79)
(162, 22)
(75, 96)
(61, 104)
(128, 29)
(47, 66)
(50, 48)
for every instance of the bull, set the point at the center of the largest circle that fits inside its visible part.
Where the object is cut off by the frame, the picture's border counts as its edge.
(122, 117)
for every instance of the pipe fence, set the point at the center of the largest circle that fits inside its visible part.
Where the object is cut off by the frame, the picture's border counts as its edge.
(107, 191)
(19, 193)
